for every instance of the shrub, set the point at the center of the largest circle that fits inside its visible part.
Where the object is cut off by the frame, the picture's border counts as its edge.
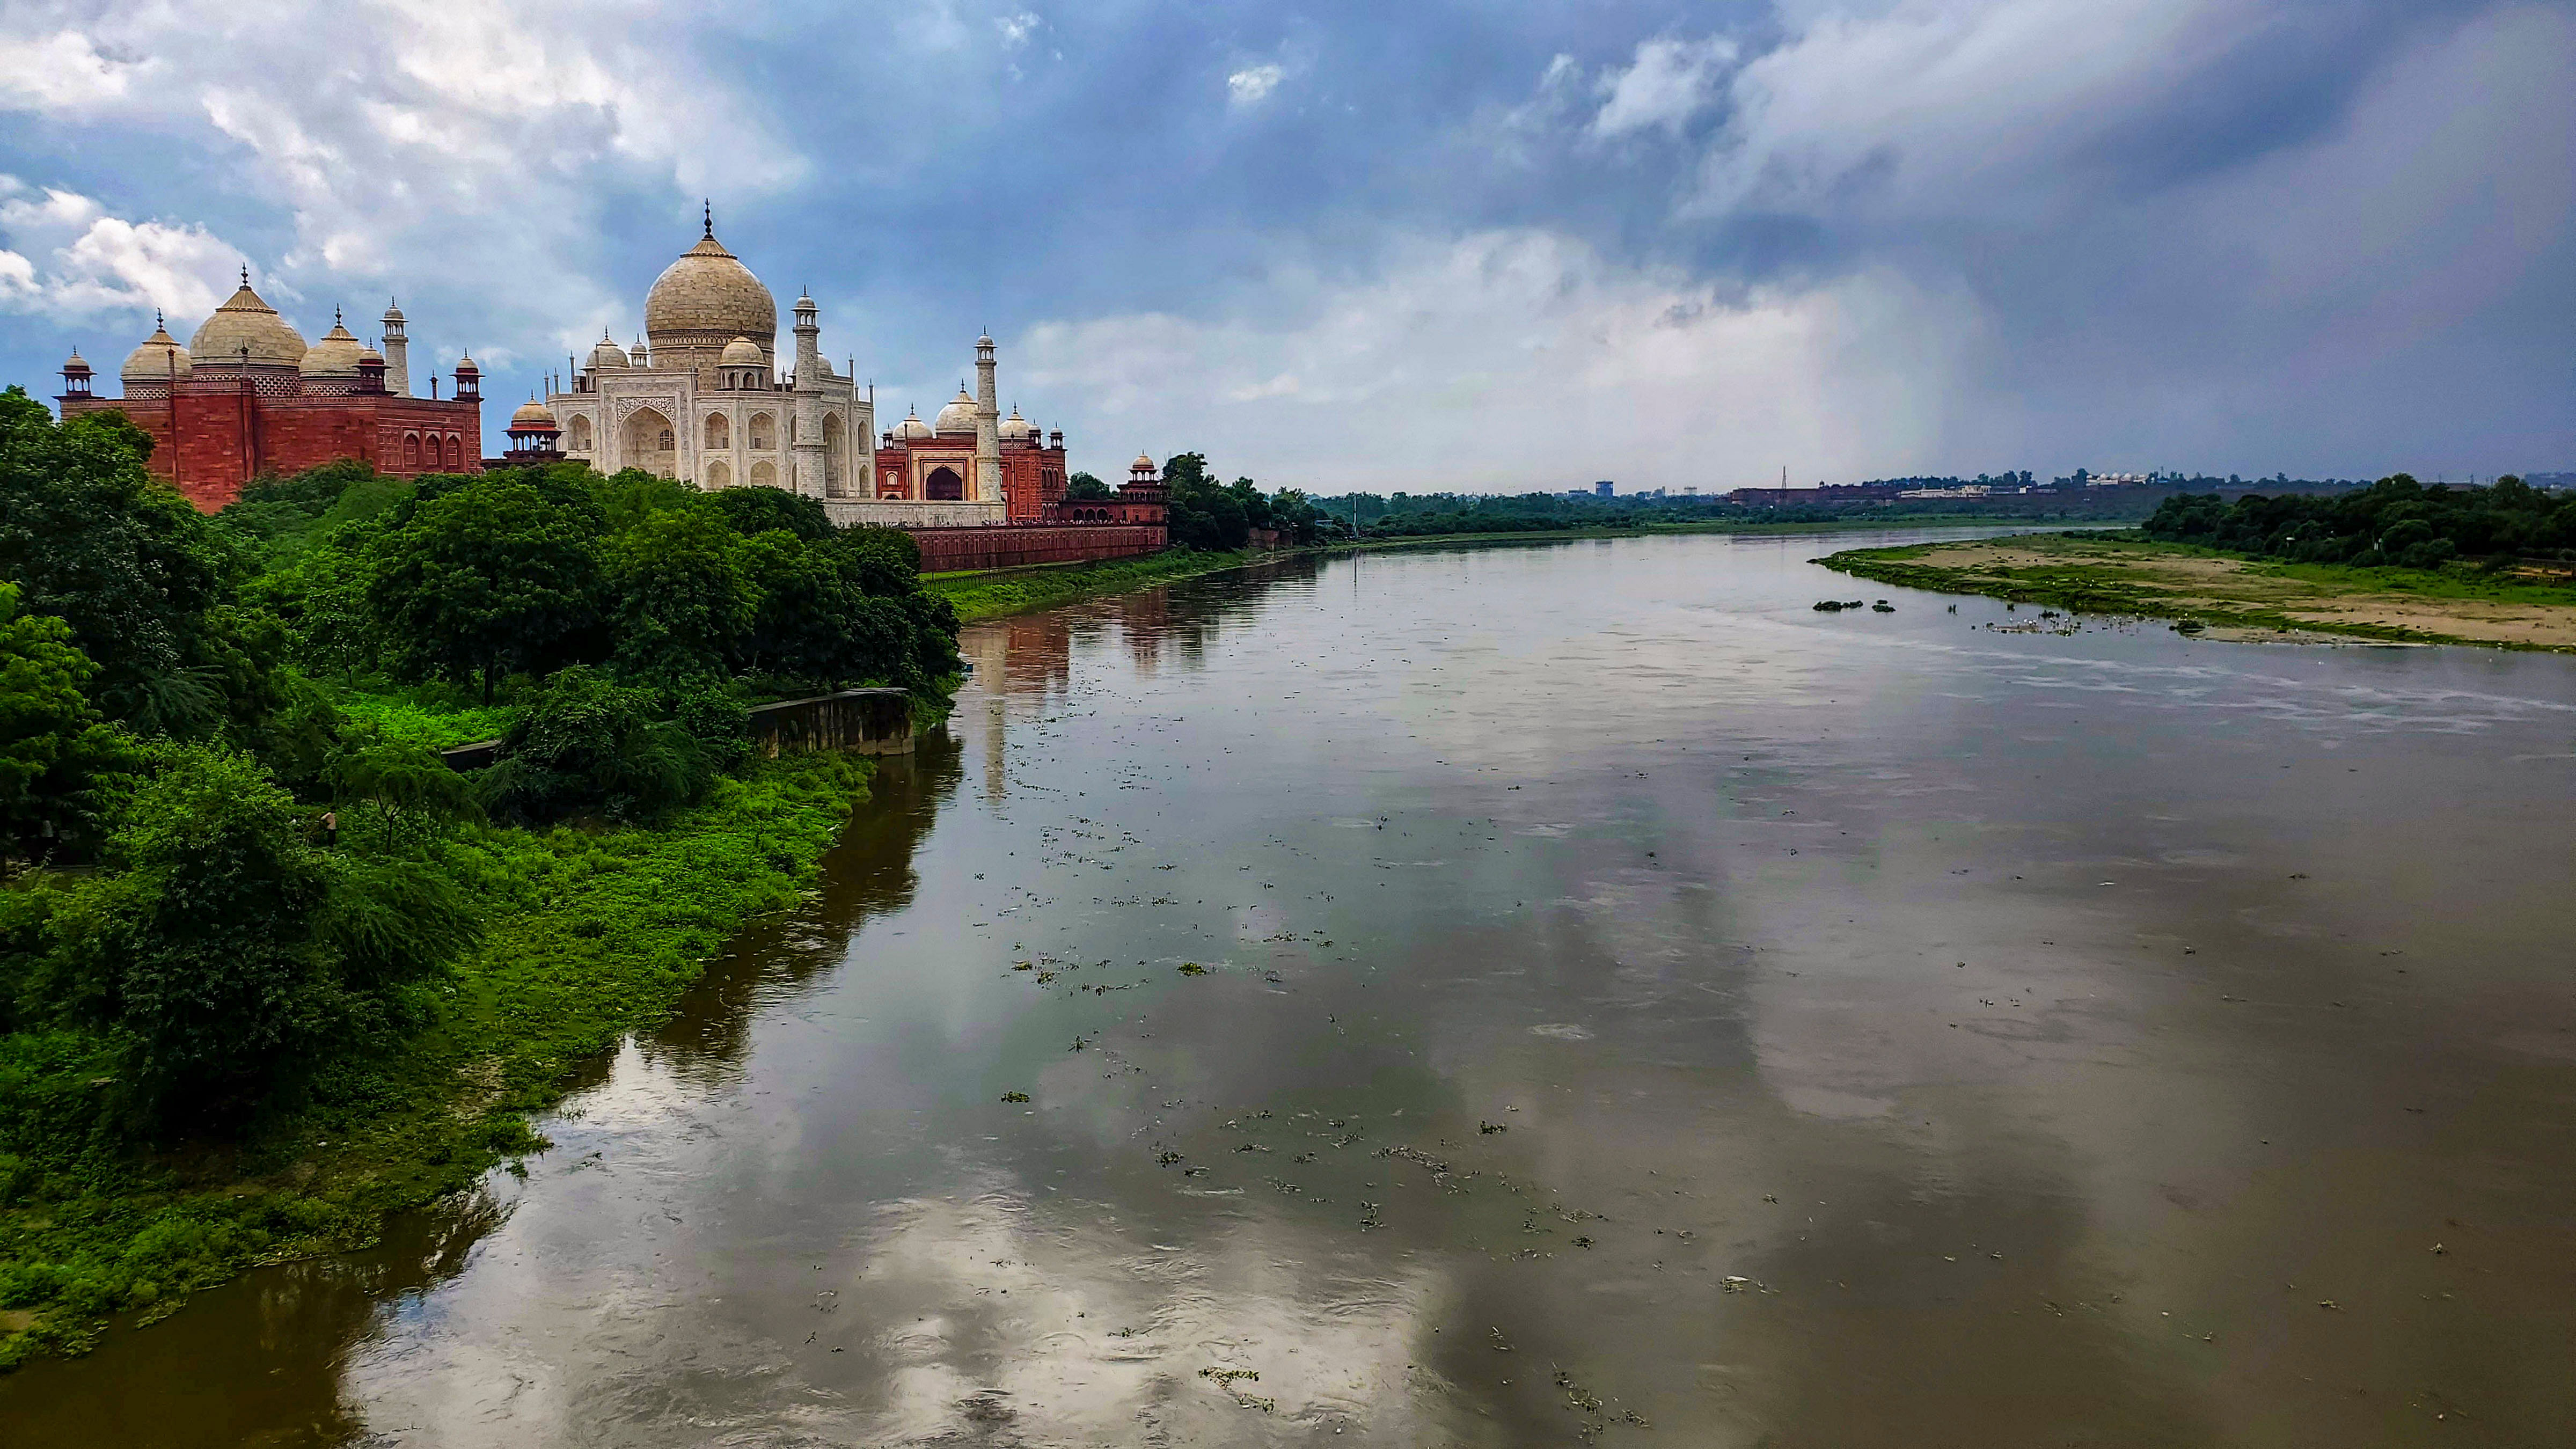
(592, 746)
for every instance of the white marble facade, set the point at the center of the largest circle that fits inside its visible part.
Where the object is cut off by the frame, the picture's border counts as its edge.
(700, 398)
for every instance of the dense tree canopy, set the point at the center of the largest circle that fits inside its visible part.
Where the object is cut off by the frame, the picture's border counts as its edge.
(2393, 521)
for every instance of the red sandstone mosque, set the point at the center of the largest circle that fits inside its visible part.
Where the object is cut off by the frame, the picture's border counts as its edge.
(247, 396)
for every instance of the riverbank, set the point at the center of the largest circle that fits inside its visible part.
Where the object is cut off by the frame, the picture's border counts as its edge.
(995, 593)
(2231, 596)
(589, 934)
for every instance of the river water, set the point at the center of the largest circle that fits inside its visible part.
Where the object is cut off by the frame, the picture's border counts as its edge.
(1543, 994)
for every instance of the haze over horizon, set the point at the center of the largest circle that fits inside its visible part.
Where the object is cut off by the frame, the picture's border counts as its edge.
(1421, 248)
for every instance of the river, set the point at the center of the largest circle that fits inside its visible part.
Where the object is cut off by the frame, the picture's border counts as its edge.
(1547, 994)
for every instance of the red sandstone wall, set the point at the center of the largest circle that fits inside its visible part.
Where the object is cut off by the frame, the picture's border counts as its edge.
(949, 550)
(225, 438)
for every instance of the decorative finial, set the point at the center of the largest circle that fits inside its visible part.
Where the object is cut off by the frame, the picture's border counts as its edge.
(335, 317)
(245, 274)
(157, 324)
(711, 218)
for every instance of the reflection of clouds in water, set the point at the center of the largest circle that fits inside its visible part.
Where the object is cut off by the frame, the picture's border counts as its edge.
(1051, 1325)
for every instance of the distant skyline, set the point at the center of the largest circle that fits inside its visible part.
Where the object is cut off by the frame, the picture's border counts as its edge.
(1443, 247)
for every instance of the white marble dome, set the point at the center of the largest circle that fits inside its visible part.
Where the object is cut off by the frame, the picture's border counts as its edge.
(336, 355)
(244, 321)
(607, 354)
(709, 291)
(159, 359)
(1019, 429)
(740, 352)
(912, 429)
(958, 416)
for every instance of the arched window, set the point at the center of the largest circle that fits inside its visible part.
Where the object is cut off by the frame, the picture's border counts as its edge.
(835, 457)
(578, 436)
(719, 474)
(764, 432)
(764, 475)
(411, 450)
(644, 441)
(791, 427)
(667, 442)
(455, 451)
(719, 432)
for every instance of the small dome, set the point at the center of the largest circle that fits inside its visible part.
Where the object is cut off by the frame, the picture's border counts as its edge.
(532, 416)
(336, 355)
(465, 366)
(393, 312)
(607, 354)
(1143, 464)
(1019, 429)
(244, 321)
(958, 416)
(368, 354)
(912, 428)
(709, 290)
(740, 352)
(159, 359)
(74, 366)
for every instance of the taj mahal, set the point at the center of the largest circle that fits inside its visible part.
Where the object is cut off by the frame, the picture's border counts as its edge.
(701, 397)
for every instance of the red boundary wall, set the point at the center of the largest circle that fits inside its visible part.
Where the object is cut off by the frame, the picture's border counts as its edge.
(951, 550)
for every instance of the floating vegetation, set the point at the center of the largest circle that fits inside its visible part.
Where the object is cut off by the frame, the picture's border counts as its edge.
(1015, 1096)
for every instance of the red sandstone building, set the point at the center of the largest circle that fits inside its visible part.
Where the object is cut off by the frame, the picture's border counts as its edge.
(933, 461)
(246, 396)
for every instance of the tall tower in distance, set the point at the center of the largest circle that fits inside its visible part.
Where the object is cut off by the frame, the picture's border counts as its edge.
(988, 426)
(397, 351)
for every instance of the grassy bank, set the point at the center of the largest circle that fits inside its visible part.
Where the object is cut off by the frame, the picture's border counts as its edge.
(589, 935)
(994, 593)
(2231, 595)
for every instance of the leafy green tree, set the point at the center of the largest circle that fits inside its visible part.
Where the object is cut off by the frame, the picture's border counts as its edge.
(54, 749)
(205, 945)
(684, 602)
(1084, 488)
(756, 510)
(592, 746)
(137, 574)
(1203, 514)
(490, 577)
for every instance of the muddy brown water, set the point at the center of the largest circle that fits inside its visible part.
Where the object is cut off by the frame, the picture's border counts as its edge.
(1630, 1006)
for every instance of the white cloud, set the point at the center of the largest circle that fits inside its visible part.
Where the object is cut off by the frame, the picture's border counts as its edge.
(1252, 85)
(87, 264)
(64, 72)
(1016, 29)
(1514, 360)
(1670, 81)
(454, 151)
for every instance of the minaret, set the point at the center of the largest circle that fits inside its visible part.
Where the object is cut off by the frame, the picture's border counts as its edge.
(810, 373)
(988, 426)
(397, 350)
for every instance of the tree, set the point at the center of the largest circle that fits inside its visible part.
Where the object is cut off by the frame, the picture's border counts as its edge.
(683, 599)
(137, 574)
(755, 510)
(54, 749)
(489, 577)
(205, 945)
(1201, 514)
(590, 745)
(1084, 488)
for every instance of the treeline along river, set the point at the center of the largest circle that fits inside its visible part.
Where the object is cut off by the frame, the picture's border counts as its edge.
(1504, 995)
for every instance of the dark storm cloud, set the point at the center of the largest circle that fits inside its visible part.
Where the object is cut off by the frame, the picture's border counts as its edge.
(1459, 245)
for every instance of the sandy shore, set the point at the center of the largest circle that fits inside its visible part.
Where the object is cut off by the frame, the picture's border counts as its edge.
(2234, 596)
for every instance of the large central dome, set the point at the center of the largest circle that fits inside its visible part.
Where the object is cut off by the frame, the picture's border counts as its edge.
(245, 322)
(706, 299)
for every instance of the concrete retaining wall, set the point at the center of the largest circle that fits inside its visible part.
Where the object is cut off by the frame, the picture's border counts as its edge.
(864, 721)
(951, 550)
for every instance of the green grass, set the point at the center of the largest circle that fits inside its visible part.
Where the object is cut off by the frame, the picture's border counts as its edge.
(990, 595)
(590, 934)
(432, 726)
(2115, 573)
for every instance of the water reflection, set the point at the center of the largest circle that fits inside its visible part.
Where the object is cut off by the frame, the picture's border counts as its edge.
(1497, 996)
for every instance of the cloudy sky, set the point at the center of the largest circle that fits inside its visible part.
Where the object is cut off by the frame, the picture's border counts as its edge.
(1427, 245)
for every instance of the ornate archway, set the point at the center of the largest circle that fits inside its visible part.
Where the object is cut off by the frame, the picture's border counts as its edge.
(648, 442)
(836, 463)
(943, 485)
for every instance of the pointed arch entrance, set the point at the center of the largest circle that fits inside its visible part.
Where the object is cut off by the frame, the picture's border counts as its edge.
(648, 442)
(943, 485)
